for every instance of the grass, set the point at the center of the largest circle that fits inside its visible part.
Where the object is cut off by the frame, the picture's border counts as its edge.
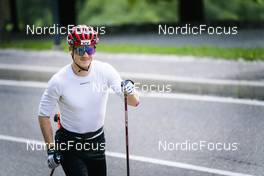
(209, 51)
(30, 45)
(249, 54)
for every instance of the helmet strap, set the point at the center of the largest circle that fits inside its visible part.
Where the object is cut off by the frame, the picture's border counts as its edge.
(80, 67)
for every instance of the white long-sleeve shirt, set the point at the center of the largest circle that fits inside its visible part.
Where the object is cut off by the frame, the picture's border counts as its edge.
(82, 100)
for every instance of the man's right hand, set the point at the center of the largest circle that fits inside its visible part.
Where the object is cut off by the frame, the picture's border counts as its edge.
(54, 158)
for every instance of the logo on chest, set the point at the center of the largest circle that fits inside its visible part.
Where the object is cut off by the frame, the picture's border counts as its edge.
(88, 82)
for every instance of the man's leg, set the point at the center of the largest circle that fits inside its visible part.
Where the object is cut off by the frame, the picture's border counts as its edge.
(73, 165)
(96, 167)
(96, 163)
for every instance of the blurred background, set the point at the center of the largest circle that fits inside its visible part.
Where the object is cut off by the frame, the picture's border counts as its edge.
(16, 14)
(216, 83)
(135, 22)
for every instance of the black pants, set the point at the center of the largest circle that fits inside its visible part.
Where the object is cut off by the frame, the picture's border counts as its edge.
(82, 162)
(78, 166)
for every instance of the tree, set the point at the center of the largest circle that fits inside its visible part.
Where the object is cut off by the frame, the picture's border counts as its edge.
(63, 14)
(67, 13)
(13, 13)
(4, 18)
(191, 10)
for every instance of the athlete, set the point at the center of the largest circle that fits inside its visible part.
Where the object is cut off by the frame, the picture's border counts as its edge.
(81, 90)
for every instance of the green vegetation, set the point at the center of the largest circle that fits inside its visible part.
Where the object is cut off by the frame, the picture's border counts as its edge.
(37, 12)
(209, 51)
(103, 12)
(238, 10)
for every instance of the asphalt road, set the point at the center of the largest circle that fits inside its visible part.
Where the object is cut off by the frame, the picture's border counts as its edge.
(181, 66)
(156, 120)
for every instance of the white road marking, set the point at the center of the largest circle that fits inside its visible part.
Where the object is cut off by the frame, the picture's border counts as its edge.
(178, 96)
(143, 76)
(169, 78)
(140, 158)
(151, 58)
(204, 98)
(32, 68)
(32, 84)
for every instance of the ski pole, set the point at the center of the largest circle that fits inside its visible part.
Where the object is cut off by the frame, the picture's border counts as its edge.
(52, 171)
(56, 119)
(126, 129)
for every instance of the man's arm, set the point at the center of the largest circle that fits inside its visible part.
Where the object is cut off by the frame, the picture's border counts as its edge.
(47, 104)
(54, 158)
(114, 81)
(46, 129)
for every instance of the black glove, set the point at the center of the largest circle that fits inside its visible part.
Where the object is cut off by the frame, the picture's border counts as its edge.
(128, 87)
(54, 158)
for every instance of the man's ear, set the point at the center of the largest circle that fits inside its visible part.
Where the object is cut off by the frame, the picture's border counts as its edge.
(71, 51)
(72, 54)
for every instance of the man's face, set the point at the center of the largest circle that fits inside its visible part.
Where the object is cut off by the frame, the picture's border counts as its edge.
(82, 57)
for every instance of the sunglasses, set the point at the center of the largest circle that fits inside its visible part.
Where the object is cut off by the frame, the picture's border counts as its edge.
(81, 50)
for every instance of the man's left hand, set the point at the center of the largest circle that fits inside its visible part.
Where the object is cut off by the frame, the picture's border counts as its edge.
(128, 87)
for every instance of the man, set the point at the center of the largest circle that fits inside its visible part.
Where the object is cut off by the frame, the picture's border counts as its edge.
(79, 90)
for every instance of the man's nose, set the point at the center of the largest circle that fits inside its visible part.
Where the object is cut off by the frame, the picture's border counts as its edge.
(86, 54)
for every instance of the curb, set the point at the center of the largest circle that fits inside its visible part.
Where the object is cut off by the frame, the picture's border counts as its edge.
(151, 82)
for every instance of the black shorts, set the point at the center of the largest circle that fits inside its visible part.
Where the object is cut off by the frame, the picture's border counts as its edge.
(81, 155)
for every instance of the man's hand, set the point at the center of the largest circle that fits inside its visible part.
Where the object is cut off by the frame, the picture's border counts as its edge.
(54, 158)
(128, 87)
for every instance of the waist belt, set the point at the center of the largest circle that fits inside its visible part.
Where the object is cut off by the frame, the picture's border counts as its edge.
(83, 136)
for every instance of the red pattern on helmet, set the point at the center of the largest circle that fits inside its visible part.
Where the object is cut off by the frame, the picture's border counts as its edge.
(81, 33)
